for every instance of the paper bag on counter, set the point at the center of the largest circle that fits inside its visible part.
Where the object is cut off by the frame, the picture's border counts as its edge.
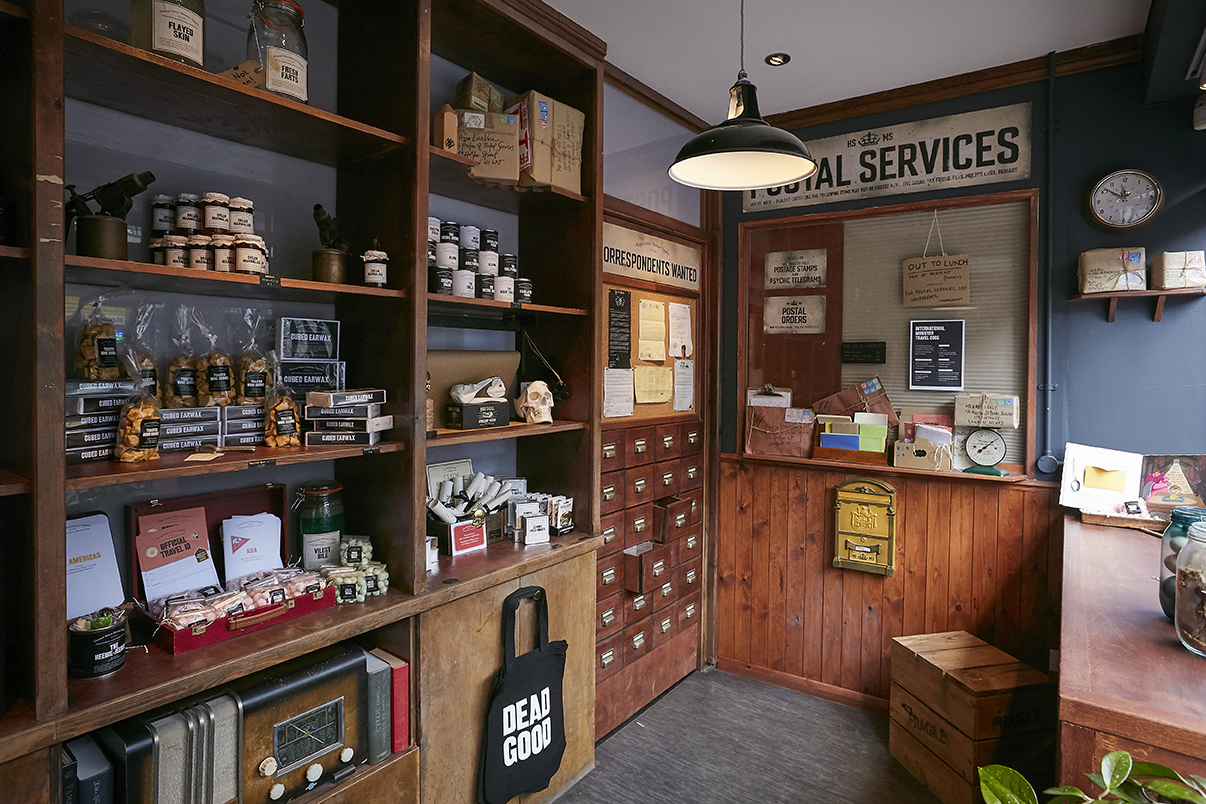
(867, 396)
(779, 431)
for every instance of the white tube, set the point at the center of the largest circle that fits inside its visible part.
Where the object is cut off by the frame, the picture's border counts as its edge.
(441, 511)
(445, 491)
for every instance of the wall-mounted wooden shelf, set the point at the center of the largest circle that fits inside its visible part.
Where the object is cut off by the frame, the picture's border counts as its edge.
(439, 304)
(444, 437)
(11, 484)
(1158, 295)
(450, 178)
(14, 252)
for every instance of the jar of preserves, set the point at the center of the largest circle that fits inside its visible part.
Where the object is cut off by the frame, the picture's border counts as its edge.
(215, 214)
(376, 266)
(157, 251)
(188, 214)
(277, 40)
(175, 251)
(242, 216)
(163, 215)
(1171, 543)
(200, 253)
(223, 252)
(319, 507)
(175, 29)
(251, 255)
(1191, 590)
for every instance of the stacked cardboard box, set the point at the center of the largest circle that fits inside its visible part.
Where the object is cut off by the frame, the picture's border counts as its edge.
(346, 417)
(93, 412)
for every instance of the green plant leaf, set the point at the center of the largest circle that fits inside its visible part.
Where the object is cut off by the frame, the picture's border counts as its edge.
(1131, 792)
(1153, 770)
(1096, 779)
(1065, 790)
(1065, 799)
(1002, 785)
(1174, 791)
(1199, 782)
(1115, 768)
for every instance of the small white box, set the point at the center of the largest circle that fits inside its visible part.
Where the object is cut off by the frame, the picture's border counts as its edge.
(534, 529)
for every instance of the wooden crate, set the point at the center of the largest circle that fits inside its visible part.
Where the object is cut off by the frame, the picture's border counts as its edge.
(958, 703)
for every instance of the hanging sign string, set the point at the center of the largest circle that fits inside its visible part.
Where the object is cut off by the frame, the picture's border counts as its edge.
(934, 225)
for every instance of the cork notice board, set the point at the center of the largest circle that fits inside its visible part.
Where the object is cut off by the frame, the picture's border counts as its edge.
(641, 358)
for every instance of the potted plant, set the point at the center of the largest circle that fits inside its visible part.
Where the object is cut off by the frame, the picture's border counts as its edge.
(1121, 779)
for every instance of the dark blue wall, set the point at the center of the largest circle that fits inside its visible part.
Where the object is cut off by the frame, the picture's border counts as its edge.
(1134, 384)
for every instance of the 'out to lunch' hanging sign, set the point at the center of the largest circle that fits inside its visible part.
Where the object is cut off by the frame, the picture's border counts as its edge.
(991, 145)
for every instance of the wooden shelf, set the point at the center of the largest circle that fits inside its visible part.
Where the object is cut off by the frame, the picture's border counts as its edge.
(1012, 477)
(96, 271)
(11, 484)
(449, 177)
(11, 10)
(117, 76)
(445, 437)
(440, 304)
(14, 252)
(382, 776)
(112, 473)
(502, 561)
(1158, 295)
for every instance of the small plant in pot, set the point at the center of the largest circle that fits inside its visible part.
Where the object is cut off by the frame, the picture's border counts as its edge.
(1121, 779)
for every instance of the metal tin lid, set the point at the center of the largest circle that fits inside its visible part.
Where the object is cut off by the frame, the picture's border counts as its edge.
(1186, 514)
(320, 487)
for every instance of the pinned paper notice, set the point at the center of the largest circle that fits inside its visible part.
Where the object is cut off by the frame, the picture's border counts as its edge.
(651, 338)
(684, 384)
(654, 384)
(680, 330)
(617, 393)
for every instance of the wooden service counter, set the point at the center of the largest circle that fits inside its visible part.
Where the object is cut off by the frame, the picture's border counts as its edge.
(1126, 683)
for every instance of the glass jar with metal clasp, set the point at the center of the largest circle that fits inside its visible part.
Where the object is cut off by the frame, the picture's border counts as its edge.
(277, 41)
(319, 506)
(1176, 535)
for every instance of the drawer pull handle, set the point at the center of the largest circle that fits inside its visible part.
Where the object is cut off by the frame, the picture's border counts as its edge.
(609, 576)
(693, 508)
(690, 576)
(693, 437)
(638, 641)
(666, 625)
(609, 451)
(680, 520)
(608, 658)
(638, 485)
(638, 525)
(667, 590)
(691, 542)
(667, 478)
(608, 617)
(609, 493)
(692, 472)
(659, 567)
(668, 442)
(638, 603)
(609, 535)
(690, 610)
(638, 446)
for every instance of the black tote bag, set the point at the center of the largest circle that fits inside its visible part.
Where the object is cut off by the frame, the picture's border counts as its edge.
(525, 726)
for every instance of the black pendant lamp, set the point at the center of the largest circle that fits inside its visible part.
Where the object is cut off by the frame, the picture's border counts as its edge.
(744, 152)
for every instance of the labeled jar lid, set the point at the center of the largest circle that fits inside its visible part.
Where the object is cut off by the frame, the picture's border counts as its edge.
(375, 256)
(199, 240)
(175, 240)
(187, 198)
(320, 487)
(249, 240)
(241, 203)
(222, 241)
(161, 199)
(217, 198)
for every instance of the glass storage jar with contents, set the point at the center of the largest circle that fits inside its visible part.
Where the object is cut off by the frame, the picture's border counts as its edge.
(223, 252)
(1191, 590)
(200, 253)
(242, 216)
(319, 522)
(277, 40)
(174, 29)
(175, 251)
(250, 255)
(188, 214)
(215, 214)
(1173, 540)
(163, 215)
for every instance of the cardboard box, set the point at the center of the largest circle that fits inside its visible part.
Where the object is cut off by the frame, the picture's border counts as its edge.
(476, 93)
(443, 129)
(236, 426)
(190, 429)
(84, 405)
(189, 444)
(1178, 269)
(987, 410)
(330, 438)
(307, 339)
(352, 396)
(315, 413)
(375, 425)
(244, 440)
(845, 428)
(89, 454)
(492, 142)
(550, 142)
(1110, 270)
(463, 537)
(957, 703)
(91, 421)
(242, 412)
(477, 415)
(921, 454)
(181, 415)
(91, 388)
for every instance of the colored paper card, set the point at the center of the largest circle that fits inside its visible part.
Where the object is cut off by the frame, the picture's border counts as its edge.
(1105, 479)
(933, 433)
(871, 443)
(871, 418)
(839, 441)
(873, 430)
(93, 580)
(826, 418)
(848, 428)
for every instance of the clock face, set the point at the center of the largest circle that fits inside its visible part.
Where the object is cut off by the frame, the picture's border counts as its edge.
(1124, 199)
(308, 736)
(985, 447)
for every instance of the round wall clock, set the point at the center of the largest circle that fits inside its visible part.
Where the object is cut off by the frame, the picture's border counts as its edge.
(985, 447)
(1125, 199)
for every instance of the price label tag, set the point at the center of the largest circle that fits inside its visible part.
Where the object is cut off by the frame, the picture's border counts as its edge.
(371, 451)
(248, 73)
(260, 463)
(270, 280)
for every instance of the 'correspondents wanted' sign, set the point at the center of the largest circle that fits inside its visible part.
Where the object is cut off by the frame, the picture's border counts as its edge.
(654, 259)
(795, 269)
(991, 145)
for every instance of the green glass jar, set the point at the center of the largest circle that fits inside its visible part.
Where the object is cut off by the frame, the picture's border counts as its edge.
(1171, 544)
(319, 522)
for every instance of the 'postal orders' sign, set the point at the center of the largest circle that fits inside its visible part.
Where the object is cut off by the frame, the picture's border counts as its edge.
(654, 259)
(991, 145)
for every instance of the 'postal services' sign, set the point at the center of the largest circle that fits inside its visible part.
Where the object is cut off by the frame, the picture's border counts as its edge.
(654, 259)
(991, 145)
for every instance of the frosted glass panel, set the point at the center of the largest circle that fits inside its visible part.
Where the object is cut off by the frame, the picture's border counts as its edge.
(638, 146)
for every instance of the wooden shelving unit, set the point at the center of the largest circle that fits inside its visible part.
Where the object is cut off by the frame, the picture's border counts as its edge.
(12, 10)
(12, 484)
(14, 253)
(439, 304)
(444, 436)
(1160, 296)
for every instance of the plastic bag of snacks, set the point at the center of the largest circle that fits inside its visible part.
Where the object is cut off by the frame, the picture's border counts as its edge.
(97, 358)
(180, 388)
(267, 592)
(137, 345)
(349, 583)
(254, 375)
(299, 582)
(376, 578)
(188, 612)
(215, 370)
(138, 428)
(228, 604)
(282, 422)
(355, 551)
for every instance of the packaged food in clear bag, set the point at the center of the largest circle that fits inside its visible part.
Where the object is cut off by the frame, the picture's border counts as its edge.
(215, 369)
(254, 377)
(282, 421)
(138, 427)
(137, 342)
(180, 382)
(97, 358)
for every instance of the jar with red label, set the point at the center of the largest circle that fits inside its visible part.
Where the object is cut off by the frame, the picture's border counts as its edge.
(251, 255)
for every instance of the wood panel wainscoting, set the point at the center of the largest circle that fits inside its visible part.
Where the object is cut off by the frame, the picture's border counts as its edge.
(971, 555)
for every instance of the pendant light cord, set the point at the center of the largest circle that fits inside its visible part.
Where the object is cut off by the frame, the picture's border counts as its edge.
(743, 36)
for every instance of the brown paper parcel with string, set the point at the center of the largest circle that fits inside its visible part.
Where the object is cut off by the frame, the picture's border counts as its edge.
(868, 396)
(1109, 270)
(767, 432)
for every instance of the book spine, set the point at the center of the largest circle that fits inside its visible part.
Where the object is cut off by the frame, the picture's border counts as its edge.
(71, 783)
(380, 714)
(401, 706)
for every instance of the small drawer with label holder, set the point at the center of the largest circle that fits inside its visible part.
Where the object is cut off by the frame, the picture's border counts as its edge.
(664, 625)
(646, 566)
(692, 438)
(689, 611)
(637, 641)
(609, 575)
(638, 446)
(609, 656)
(611, 492)
(637, 606)
(609, 615)
(613, 529)
(690, 472)
(667, 478)
(668, 438)
(665, 593)
(671, 518)
(690, 575)
(613, 451)
(638, 525)
(696, 498)
(640, 484)
(690, 544)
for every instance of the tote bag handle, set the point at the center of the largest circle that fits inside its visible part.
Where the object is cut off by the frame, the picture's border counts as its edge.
(510, 605)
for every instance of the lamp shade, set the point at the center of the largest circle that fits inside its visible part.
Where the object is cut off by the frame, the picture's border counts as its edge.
(744, 152)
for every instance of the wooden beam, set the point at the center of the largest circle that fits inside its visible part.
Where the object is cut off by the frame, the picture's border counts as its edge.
(652, 98)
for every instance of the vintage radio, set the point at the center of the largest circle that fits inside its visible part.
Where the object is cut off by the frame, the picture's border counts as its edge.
(268, 737)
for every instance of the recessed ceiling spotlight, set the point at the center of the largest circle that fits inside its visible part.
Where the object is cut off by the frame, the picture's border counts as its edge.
(778, 59)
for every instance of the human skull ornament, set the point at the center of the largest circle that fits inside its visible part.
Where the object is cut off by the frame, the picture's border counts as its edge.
(535, 403)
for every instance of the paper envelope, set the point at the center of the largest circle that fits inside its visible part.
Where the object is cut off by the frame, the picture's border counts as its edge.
(1105, 479)
(1098, 479)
